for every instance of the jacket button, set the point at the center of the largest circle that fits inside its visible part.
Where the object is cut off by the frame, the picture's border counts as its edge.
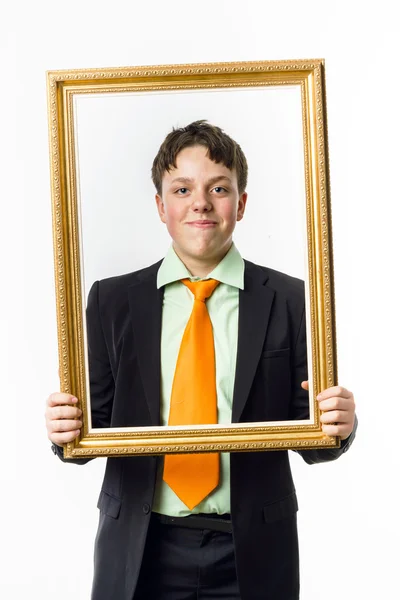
(146, 508)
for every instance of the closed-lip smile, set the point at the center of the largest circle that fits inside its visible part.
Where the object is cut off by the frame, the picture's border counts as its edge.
(202, 223)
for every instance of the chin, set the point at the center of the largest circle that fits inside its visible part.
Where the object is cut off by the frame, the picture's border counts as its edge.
(199, 252)
(203, 248)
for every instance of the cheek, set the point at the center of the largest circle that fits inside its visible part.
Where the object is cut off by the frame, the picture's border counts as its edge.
(228, 211)
(173, 216)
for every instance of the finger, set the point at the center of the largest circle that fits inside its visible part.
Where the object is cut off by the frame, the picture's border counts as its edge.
(335, 416)
(64, 438)
(304, 385)
(343, 431)
(62, 412)
(337, 403)
(63, 425)
(61, 398)
(336, 390)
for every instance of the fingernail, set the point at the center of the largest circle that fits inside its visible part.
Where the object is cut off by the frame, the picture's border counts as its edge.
(319, 397)
(74, 399)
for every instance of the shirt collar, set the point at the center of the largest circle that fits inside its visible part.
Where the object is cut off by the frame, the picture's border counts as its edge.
(230, 270)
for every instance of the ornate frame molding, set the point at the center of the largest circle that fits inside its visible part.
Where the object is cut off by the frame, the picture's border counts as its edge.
(62, 87)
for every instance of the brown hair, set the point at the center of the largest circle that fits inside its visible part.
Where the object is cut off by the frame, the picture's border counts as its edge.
(221, 149)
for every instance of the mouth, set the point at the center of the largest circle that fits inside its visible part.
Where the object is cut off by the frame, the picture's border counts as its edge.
(202, 223)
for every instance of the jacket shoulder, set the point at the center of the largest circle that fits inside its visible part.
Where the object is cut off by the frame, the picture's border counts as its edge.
(277, 280)
(112, 287)
(127, 279)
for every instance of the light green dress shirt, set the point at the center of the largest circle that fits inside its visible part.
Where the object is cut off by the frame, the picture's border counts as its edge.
(223, 308)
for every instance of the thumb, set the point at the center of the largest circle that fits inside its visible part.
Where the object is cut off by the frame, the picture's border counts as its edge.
(304, 385)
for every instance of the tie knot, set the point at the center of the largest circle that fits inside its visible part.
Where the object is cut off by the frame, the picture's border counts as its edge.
(201, 289)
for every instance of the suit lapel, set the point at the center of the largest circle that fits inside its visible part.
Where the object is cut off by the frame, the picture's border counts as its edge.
(145, 302)
(255, 303)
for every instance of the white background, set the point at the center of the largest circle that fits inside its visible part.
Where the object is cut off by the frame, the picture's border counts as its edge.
(348, 519)
(117, 138)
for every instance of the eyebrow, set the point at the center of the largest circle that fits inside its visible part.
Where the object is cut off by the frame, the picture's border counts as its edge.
(209, 182)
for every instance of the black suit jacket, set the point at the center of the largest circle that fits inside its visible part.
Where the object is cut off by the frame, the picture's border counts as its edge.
(124, 328)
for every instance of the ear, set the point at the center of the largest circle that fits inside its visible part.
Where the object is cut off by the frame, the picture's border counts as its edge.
(160, 207)
(241, 206)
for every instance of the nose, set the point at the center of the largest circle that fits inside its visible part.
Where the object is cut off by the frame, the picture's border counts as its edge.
(201, 202)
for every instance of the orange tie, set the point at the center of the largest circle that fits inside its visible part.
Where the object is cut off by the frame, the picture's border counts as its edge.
(194, 400)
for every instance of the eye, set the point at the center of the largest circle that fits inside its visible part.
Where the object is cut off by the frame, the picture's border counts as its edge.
(181, 190)
(219, 189)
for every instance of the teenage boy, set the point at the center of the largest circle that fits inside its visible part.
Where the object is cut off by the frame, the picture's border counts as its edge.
(200, 337)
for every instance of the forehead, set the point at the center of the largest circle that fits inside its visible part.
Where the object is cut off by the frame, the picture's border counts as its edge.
(194, 162)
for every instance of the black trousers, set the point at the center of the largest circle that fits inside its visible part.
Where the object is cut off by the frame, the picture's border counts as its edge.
(187, 564)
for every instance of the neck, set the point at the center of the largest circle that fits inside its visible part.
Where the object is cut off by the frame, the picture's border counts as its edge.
(200, 266)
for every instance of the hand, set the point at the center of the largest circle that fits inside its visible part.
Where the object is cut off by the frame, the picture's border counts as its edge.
(338, 408)
(62, 420)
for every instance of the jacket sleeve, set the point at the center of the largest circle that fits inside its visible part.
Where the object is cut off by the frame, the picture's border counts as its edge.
(100, 373)
(300, 401)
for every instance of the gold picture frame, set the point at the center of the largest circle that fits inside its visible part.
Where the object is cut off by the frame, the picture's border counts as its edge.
(64, 87)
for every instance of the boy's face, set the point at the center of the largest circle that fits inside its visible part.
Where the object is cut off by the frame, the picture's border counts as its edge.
(200, 204)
